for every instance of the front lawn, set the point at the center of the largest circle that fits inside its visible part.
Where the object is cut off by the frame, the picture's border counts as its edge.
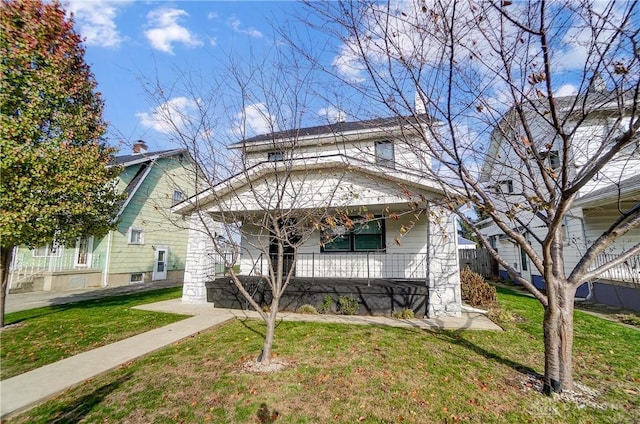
(371, 374)
(37, 337)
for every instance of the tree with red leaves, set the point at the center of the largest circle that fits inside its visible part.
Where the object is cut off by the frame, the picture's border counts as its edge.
(53, 161)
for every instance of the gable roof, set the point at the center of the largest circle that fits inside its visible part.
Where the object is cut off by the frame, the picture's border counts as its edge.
(129, 160)
(146, 160)
(589, 104)
(350, 165)
(338, 128)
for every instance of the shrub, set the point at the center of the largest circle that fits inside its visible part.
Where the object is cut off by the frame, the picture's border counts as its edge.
(405, 313)
(325, 308)
(475, 290)
(307, 309)
(630, 319)
(348, 305)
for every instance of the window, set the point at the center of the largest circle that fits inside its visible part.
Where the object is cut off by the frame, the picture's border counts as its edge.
(551, 158)
(50, 250)
(385, 154)
(504, 187)
(178, 196)
(554, 160)
(365, 237)
(275, 156)
(136, 235)
(137, 277)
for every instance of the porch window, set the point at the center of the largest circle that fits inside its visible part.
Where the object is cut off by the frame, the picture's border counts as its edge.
(365, 237)
(136, 235)
(50, 250)
(385, 154)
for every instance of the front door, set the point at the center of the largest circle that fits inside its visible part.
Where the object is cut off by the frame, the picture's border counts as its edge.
(160, 264)
(82, 257)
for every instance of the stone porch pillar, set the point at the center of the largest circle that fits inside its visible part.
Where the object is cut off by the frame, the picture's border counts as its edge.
(443, 274)
(199, 267)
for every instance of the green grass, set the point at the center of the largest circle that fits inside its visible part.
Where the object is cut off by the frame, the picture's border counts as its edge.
(37, 337)
(371, 374)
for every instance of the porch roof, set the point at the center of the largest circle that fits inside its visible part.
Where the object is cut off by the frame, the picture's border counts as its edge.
(626, 190)
(348, 168)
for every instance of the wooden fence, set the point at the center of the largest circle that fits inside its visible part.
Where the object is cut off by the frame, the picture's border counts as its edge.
(480, 261)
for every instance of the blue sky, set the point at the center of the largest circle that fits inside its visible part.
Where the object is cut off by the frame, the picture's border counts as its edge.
(129, 41)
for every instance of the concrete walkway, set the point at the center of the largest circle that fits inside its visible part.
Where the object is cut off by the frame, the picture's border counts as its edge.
(38, 299)
(27, 390)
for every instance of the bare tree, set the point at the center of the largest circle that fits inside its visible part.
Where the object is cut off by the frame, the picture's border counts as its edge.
(261, 195)
(529, 101)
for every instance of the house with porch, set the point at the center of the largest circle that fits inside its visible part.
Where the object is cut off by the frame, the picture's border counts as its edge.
(364, 168)
(610, 193)
(149, 243)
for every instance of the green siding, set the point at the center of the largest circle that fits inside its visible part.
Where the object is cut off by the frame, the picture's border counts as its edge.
(149, 210)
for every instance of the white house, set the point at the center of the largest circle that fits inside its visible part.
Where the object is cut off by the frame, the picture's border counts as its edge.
(611, 192)
(364, 166)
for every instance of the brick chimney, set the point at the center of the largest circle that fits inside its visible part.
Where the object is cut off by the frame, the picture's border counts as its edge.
(139, 147)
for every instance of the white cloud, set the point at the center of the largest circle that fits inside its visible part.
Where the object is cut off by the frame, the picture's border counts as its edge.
(332, 114)
(173, 116)
(212, 15)
(95, 21)
(250, 31)
(254, 119)
(566, 90)
(165, 30)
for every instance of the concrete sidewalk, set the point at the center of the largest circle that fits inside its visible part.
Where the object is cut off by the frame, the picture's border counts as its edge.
(24, 391)
(37, 299)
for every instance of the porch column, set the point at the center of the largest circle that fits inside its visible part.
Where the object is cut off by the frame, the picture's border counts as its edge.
(443, 269)
(198, 268)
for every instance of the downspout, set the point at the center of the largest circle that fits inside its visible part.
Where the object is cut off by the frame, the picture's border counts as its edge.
(584, 239)
(428, 258)
(107, 257)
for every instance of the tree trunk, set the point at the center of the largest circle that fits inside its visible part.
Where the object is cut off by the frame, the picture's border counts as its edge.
(5, 263)
(265, 356)
(558, 339)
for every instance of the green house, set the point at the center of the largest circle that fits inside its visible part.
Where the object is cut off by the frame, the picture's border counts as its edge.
(149, 243)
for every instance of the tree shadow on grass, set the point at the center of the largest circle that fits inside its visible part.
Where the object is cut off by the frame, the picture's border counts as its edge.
(80, 301)
(457, 337)
(76, 411)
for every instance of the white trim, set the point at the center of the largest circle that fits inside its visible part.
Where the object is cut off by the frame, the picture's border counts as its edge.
(76, 252)
(134, 190)
(160, 275)
(130, 232)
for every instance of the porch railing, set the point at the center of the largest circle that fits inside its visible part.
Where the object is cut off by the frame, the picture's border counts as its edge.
(628, 271)
(366, 265)
(24, 266)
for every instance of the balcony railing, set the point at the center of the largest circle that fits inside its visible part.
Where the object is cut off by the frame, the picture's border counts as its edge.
(366, 265)
(627, 272)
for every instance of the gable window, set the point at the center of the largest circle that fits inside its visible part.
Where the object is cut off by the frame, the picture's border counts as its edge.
(136, 235)
(178, 196)
(364, 237)
(275, 156)
(50, 250)
(505, 186)
(385, 154)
